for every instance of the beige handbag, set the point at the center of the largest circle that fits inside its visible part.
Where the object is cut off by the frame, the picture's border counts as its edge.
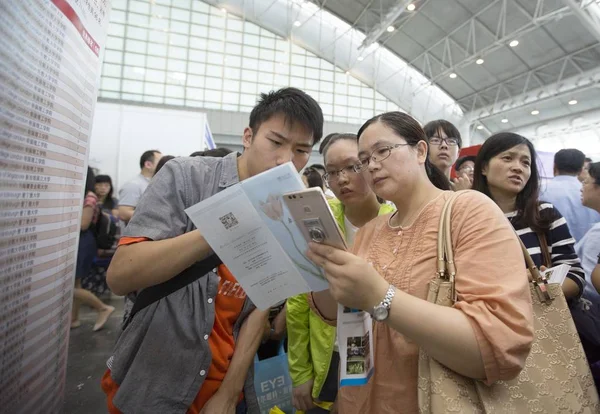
(556, 377)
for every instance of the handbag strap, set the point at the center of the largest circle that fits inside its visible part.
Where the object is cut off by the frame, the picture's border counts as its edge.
(446, 268)
(547, 259)
(539, 281)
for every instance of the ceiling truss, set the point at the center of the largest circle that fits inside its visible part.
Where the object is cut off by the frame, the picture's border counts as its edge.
(447, 55)
(517, 90)
(388, 20)
(588, 13)
(488, 30)
(585, 81)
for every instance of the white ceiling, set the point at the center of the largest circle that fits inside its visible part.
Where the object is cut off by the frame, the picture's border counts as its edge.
(329, 37)
(557, 59)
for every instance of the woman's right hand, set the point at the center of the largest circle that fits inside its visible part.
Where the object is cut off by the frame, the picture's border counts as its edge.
(302, 396)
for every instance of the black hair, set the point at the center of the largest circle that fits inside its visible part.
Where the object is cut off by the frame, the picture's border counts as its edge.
(90, 182)
(313, 178)
(431, 129)
(527, 203)
(464, 159)
(336, 138)
(295, 105)
(569, 161)
(109, 202)
(215, 152)
(319, 167)
(147, 156)
(408, 128)
(594, 171)
(162, 162)
(326, 141)
(588, 159)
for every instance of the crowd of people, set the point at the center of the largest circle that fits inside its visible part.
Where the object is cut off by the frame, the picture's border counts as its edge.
(189, 345)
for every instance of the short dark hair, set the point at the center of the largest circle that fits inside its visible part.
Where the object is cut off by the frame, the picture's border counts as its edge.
(318, 167)
(594, 171)
(295, 105)
(464, 159)
(147, 156)
(527, 203)
(432, 128)
(569, 161)
(588, 159)
(326, 141)
(162, 162)
(408, 128)
(313, 178)
(215, 152)
(336, 138)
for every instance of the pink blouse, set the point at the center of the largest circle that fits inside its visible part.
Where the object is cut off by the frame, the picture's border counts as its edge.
(492, 290)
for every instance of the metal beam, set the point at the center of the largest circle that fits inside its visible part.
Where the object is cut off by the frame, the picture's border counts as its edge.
(527, 76)
(472, 52)
(588, 14)
(353, 26)
(378, 30)
(578, 83)
(581, 121)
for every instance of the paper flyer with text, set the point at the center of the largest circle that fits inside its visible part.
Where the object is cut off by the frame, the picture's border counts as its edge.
(249, 227)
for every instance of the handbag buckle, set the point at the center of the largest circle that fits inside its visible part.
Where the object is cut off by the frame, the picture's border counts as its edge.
(542, 291)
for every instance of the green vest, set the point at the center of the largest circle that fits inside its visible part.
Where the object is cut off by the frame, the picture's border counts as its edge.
(310, 340)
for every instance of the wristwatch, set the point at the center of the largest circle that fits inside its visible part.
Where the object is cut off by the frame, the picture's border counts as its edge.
(382, 311)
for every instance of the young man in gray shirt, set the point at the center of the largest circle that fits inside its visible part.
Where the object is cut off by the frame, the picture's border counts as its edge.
(194, 348)
(132, 191)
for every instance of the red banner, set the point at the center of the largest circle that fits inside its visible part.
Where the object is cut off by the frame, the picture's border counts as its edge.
(70, 14)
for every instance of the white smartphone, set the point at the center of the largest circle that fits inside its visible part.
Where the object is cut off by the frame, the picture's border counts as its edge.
(311, 212)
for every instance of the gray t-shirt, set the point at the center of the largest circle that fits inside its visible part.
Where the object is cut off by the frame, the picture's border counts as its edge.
(162, 357)
(132, 191)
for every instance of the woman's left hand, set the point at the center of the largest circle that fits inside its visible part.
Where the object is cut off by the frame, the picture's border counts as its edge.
(352, 281)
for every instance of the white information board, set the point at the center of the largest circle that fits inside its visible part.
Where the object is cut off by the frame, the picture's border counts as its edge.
(49, 69)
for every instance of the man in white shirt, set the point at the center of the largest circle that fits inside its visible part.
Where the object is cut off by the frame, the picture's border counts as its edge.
(564, 192)
(131, 192)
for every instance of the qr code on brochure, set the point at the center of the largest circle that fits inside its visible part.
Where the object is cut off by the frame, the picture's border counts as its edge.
(229, 220)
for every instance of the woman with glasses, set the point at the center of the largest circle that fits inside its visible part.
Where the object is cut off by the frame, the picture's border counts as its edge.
(444, 144)
(464, 168)
(312, 178)
(486, 335)
(312, 352)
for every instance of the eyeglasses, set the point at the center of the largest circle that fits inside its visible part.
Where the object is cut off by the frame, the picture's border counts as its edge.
(466, 170)
(451, 142)
(331, 176)
(378, 155)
